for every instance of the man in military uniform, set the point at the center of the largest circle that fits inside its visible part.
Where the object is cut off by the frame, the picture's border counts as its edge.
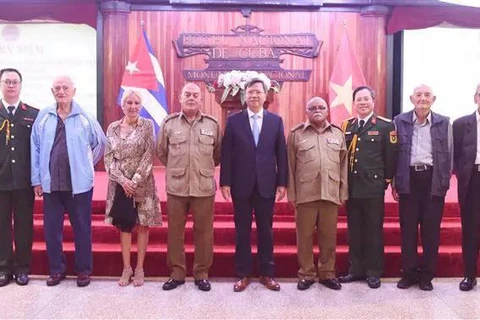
(371, 142)
(16, 192)
(317, 186)
(189, 146)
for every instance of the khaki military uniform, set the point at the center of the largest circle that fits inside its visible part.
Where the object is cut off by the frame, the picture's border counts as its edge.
(318, 185)
(190, 152)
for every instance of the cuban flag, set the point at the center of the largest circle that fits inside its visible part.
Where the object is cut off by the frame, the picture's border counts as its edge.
(143, 73)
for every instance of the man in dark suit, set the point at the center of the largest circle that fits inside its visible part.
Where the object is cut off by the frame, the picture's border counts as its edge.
(254, 169)
(16, 192)
(466, 165)
(371, 142)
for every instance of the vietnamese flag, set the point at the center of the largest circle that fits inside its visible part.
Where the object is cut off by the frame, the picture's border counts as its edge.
(346, 76)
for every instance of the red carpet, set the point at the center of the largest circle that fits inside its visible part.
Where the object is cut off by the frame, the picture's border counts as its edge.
(107, 258)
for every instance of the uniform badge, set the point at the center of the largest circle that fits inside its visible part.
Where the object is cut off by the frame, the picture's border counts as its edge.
(303, 141)
(373, 133)
(333, 141)
(348, 132)
(177, 132)
(206, 132)
(393, 137)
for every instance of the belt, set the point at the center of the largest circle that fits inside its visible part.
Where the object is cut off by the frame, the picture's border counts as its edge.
(420, 167)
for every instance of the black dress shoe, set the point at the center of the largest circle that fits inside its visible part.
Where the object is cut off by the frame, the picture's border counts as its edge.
(304, 284)
(21, 279)
(55, 279)
(331, 283)
(172, 284)
(406, 283)
(426, 285)
(203, 284)
(5, 279)
(373, 282)
(468, 283)
(350, 278)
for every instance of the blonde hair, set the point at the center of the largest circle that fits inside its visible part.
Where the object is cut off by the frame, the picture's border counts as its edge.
(129, 92)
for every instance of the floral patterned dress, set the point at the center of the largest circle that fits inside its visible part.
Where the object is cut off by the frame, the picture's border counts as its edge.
(132, 158)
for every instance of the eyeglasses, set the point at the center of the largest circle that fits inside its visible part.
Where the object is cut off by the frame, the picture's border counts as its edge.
(316, 108)
(9, 83)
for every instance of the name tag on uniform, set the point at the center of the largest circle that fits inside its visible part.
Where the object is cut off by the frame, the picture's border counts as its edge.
(303, 141)
(206, 132)
(333, 141)
(373, 133)
(28, 119)
(348, 132)
(177, 132)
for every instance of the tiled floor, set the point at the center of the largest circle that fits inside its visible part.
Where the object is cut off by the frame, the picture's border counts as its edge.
(103, 299)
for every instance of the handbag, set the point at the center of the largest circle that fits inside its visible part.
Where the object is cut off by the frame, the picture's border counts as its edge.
(123, 212)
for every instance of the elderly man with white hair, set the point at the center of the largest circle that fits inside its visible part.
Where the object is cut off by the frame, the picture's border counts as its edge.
(66, 143)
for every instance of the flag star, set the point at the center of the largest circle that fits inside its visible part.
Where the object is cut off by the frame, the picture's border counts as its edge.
(344, 95)
(132, 67)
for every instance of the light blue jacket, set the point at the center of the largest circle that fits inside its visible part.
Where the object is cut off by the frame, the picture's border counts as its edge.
(85, 145)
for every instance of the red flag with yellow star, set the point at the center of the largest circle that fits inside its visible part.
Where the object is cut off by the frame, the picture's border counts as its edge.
(346, 76)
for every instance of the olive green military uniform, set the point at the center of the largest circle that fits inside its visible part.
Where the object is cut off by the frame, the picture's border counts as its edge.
(371, 166)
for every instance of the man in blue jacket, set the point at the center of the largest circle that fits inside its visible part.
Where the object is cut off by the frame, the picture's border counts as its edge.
(66, 143)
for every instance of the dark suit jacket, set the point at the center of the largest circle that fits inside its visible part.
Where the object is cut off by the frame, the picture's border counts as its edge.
(15, 156)
(464, 152)
(243, 164)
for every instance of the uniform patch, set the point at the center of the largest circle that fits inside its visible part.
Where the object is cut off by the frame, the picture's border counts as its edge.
(206, 132)
(28, 119)
(373, 133)
(393, 137)
(333, 141)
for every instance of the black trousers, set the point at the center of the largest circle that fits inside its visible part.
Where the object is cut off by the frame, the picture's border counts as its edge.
(470, 213)
(19, 204)
(263, 208)
(365, 236)
(419, 207)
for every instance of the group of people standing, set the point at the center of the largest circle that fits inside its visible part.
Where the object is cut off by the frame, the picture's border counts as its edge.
(51, 153)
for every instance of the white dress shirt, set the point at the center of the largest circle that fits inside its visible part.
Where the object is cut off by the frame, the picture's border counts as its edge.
(365, 119)
(477, 159)
(6, 105)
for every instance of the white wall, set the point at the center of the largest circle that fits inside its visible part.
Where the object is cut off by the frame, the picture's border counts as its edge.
(42, 51)
(448, 59)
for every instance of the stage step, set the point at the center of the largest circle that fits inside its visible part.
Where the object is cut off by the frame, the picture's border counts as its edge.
(107, 260)
(284, 232)
(280, 208)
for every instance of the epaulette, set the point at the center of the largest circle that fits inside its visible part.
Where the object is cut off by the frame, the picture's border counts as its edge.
(335, 126)
(171, 116)
(298, 126)
(29, 106)
(345, 123)
(210, 117)
(384, 119)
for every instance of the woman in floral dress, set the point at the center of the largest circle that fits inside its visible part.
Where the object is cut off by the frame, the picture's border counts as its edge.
(129, 162)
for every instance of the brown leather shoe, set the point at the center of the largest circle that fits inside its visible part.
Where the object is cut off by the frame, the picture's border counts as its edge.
(270, 283)
(241, 284)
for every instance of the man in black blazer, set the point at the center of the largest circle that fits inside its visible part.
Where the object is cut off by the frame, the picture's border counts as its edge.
(253, 170)
(16, 192)
(466, 164)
